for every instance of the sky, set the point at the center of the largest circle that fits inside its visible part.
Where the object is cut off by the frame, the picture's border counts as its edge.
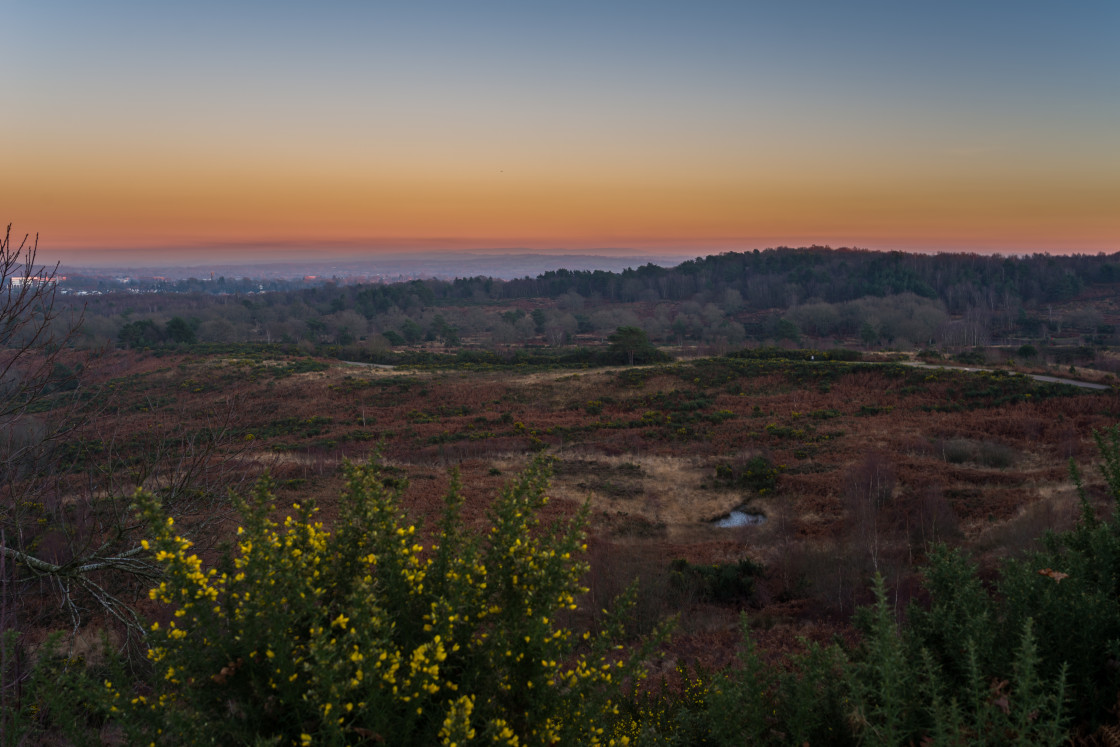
(180, 131)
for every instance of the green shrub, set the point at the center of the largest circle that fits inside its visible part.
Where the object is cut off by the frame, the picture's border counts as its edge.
(674, 713)
(874, 409)
(902, 695)
(722, 583)
(757, 474)
(803, 700)
(304, 635)
(971, 357)
(1066, 596)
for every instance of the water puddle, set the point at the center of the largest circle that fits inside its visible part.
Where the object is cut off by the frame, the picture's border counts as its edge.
(740, 519)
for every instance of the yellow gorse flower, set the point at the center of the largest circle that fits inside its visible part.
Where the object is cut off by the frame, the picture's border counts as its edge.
(345, 630)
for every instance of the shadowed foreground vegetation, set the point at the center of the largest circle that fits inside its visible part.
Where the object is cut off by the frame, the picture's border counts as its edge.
(300, 634)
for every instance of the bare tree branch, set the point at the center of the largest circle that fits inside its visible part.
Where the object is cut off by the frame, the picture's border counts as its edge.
(70, 466)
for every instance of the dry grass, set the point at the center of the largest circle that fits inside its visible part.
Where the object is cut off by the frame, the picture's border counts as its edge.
(651, 490)
(669, 492)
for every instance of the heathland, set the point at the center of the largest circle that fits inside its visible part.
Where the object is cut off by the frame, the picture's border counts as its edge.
(498, 511)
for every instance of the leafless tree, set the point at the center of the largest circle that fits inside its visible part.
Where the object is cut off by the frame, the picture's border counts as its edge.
(870, 484)
(69, 469)
(34, 419)
(33, 343)
(31, 337)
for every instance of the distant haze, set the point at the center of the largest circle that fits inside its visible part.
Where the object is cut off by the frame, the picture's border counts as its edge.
(439, 265)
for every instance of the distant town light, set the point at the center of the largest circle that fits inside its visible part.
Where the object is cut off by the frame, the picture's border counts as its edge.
(20, 280)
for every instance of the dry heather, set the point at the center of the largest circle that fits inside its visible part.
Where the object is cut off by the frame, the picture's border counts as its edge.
(870, 462)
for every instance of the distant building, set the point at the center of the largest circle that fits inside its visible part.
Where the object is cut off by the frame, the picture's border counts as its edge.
(21, 280)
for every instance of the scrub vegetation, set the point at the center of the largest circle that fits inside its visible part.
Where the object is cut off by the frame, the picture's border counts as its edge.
(250, 541)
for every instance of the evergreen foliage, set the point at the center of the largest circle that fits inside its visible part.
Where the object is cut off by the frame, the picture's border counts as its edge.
(308, 636)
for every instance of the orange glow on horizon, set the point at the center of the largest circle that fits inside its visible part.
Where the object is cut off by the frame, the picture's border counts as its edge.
(82, 201)
(253, 129)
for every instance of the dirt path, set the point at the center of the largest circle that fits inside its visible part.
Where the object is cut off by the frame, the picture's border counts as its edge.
(378, 366)
(1036, 377)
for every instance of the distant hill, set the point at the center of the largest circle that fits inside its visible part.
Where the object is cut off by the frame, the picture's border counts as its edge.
(445, 266)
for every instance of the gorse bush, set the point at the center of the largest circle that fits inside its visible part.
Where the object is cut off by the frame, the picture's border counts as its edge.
(904, 692)
(303, 635)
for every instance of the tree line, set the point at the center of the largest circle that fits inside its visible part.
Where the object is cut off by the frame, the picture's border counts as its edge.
(726, 300)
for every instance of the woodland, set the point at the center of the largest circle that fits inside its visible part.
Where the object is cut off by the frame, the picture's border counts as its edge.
(795, 496)
(809, 297)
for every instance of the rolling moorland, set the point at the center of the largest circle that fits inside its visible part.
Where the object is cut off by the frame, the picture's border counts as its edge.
(911, 557)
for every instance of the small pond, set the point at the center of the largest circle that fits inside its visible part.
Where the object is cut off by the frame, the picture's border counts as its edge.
(740, 519)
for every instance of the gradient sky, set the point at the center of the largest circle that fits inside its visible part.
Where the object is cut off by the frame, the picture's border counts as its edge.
(237, 128)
